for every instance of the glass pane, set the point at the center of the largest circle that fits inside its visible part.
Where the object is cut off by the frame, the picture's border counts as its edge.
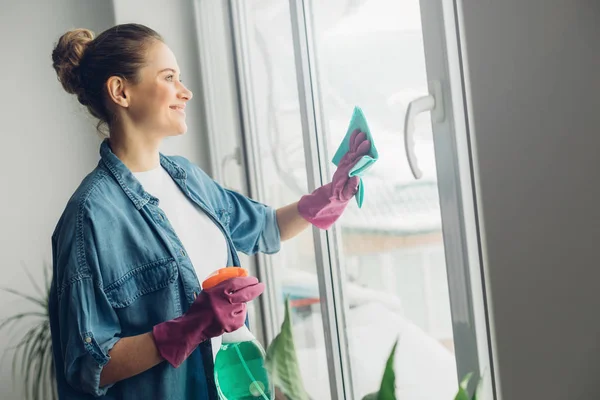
(282, 165)
(370, 53)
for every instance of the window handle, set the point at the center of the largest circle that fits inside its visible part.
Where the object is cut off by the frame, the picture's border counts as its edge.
(432, 102)
(236, 156)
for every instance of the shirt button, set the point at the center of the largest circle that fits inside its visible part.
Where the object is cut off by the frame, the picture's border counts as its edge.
(182, 252)
(161, 217)
(88, 339)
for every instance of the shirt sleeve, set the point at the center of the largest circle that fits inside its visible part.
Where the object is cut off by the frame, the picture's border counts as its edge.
(252, 225)
(88, 330)
(86, 325)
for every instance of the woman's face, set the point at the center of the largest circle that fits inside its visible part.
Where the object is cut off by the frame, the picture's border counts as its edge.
(157, 103)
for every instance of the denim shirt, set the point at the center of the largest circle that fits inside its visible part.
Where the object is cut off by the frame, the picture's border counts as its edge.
(119, 269)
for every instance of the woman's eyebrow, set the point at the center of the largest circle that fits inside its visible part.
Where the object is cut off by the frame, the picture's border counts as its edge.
(167, 69)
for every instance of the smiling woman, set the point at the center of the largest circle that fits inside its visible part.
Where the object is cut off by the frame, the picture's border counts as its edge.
(125, 294)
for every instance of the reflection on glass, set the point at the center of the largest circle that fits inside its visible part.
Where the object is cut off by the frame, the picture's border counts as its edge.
(370, 53)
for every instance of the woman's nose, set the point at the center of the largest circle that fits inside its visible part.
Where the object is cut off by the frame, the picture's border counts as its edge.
(185, 93)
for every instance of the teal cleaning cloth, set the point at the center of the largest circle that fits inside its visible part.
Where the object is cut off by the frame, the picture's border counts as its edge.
(358, 121)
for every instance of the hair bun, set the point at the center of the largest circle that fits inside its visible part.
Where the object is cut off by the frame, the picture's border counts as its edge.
(66, 58)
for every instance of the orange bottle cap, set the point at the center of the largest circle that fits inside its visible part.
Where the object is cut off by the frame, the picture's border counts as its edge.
(223, 274)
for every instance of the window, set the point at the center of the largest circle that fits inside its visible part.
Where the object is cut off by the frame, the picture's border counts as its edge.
(404, 266)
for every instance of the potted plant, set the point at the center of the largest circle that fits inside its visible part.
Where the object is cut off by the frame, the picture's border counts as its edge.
(283, 367)
(33, 353)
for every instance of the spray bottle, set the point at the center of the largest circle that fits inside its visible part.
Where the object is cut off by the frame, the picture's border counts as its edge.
(240, 372)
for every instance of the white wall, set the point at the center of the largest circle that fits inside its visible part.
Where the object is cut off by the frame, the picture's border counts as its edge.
(534, 79)
(48, 142)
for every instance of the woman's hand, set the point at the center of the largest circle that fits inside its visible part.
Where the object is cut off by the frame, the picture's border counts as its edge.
(325, 205)
(215, 311)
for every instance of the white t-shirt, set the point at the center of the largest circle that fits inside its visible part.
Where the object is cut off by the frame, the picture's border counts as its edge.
(202, 239)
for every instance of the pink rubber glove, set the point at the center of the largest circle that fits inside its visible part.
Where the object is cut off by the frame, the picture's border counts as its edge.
(215, 311)
(325, 205)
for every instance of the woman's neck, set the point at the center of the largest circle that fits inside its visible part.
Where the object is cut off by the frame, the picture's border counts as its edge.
(139, 154)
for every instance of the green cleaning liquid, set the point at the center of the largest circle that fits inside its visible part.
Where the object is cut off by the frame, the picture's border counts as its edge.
(240, 372)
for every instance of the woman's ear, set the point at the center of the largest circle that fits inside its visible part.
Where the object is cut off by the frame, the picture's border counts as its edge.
(116, 89)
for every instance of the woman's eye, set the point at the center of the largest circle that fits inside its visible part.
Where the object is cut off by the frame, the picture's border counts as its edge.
(170, 78)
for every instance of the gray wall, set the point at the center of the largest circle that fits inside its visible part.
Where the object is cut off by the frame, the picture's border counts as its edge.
(534, 78)
(48, 141)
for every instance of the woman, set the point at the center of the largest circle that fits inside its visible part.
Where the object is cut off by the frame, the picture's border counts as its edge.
(128, 317)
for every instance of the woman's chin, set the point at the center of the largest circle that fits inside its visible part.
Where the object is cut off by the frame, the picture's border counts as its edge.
(180, 130)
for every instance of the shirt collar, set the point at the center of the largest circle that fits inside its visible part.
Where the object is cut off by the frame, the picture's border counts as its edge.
(130, 185)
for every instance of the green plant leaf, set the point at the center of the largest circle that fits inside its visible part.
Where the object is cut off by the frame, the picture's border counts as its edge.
(38, 359)
(31, 359)
(35, 285)
(39, 302)
(462, 389)
(462, 395)
(478, 389)
(465, 381)
(282, 361)
(45, 364)
(388, 383)
(387, 390)
(15, 318)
